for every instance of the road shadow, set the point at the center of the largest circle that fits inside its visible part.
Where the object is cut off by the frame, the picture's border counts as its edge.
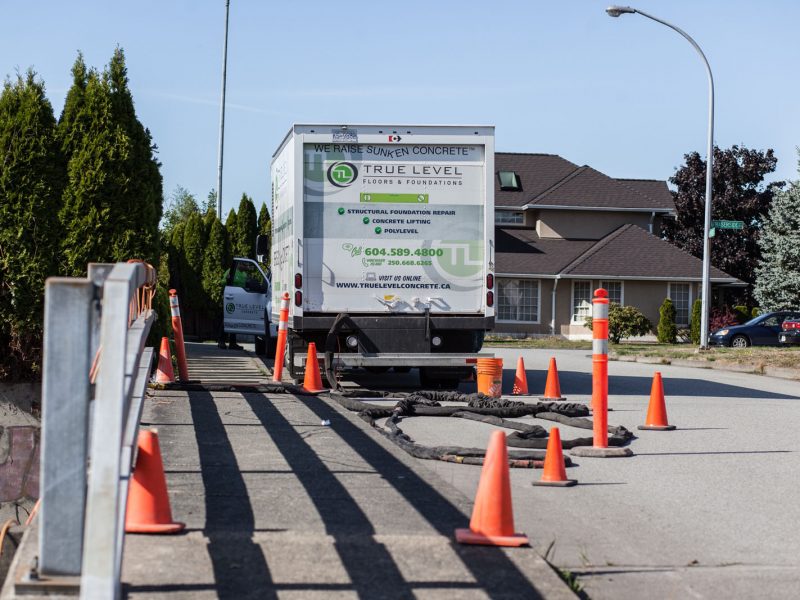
(573, 382)
(491, 569)
(230, 521)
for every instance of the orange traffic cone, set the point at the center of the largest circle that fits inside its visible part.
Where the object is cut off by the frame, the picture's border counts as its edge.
(520, 379)
(555, 473)
(165, 374)
(657, 411)
(312, 382)
(492, 522)
(552, 389)
(148, 503)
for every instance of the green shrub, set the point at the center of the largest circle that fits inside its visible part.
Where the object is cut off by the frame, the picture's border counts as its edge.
(694, 327)
(755, 312)
(624, 321)
(667, 332)
(742, 313)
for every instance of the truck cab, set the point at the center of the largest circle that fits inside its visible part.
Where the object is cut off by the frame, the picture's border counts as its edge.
(247, 304)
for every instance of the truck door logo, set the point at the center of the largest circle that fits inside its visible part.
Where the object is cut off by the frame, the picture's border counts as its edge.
(342, 174)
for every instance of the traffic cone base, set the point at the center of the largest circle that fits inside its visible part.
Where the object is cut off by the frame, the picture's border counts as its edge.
(657, 427)
(148, 509)
(312, 382)
(552, 388)
(492, 522)
(565, 483)
(520, 379)
(467, 536)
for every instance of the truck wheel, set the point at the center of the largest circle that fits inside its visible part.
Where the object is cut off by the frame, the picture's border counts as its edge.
(260, 345)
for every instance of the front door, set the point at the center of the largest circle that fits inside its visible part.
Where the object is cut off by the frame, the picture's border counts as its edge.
(245, 299)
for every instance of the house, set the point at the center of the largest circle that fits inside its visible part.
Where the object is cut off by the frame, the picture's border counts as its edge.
(563, 230)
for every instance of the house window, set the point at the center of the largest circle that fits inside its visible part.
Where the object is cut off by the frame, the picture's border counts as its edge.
(509, 217)
(509, 181)
(581, 301)
(614, 289)
(681, 296)
(518, 300)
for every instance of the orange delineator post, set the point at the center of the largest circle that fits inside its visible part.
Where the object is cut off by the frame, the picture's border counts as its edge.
(280, 350)
(177, 329)
(600, 367)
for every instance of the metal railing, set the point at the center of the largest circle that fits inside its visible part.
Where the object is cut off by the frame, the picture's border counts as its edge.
(94, 330)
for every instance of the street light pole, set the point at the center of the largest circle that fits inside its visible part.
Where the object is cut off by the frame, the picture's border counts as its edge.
(222, 113)
(615, 11)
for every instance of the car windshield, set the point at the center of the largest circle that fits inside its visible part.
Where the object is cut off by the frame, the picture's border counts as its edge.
(756, 320)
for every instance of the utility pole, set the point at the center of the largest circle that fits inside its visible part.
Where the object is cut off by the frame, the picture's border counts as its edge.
(222, 113)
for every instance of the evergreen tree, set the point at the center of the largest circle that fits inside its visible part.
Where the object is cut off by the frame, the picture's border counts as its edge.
(143, 194)
(112, 200)
(194, 244)
(667, 332)
(778, 274)
(68, 132)
(31, 183)
(216, 261)
(265, 228)
(246, 229)
(694, 326)
(231, 228)
(177, 261)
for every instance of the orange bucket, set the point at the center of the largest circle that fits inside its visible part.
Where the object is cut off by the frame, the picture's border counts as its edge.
(490, 376)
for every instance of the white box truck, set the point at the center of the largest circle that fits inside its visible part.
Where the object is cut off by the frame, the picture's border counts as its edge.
(383, 236)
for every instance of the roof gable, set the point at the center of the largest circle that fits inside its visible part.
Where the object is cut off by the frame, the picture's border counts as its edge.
(630, 251)
(551, 181)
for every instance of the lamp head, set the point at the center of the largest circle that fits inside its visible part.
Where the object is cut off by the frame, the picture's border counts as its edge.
(615, 11)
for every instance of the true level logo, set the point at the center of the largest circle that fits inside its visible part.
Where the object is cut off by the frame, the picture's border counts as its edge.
(342, 174)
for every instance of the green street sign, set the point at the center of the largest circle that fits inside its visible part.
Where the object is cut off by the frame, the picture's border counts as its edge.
(728, 224)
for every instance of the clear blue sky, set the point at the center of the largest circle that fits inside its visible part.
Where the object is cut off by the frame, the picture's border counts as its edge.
(626, 96)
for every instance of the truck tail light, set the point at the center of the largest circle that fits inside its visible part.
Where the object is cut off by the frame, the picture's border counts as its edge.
(298, 280)
(489, 298)
(490, 282)
(298, 298)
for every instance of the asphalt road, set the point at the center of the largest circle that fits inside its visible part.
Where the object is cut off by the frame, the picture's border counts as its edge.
(710, 510)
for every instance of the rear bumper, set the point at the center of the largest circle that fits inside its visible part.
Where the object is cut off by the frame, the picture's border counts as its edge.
(787, 339)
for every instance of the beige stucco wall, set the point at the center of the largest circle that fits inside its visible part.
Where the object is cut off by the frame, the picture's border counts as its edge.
(588, 225)
(647, 296)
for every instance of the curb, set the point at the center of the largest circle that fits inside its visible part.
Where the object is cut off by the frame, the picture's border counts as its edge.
(777, 372)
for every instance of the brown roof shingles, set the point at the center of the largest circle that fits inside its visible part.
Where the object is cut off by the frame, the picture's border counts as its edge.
(537, 173)
(549, 180)
(628, 251)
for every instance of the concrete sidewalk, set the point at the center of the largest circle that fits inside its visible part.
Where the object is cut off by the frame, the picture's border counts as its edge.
(279, 506)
